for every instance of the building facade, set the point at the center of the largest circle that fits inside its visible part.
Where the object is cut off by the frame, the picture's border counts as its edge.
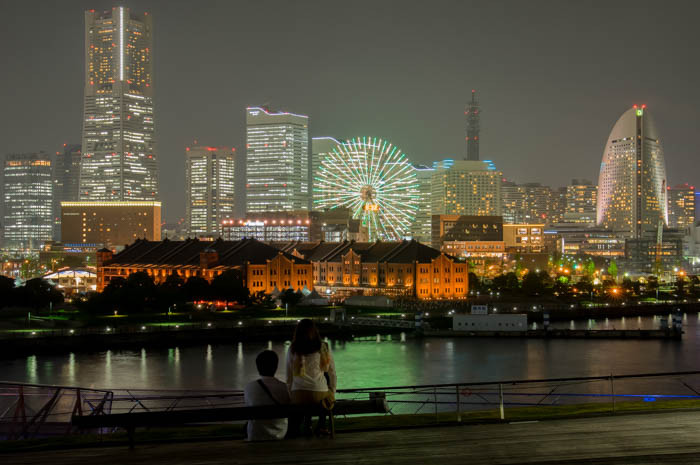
(277, 161)
(406, 268)
(321, 147)
(446, 228)
(422, 225)
(209, 187)
(66, 179)
(28, 200)
(524, 238)
(466, 188)
(581, 201)
(111, 224)
(118, 149)
(527, 203)
(264, 268)
(681, 206)
(632, 183)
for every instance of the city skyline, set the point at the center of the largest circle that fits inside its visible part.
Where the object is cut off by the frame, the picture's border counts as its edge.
(528, 119)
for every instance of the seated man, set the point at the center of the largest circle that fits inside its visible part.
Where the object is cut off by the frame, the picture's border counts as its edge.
(267, 390)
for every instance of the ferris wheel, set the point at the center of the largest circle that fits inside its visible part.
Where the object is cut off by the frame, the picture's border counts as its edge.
(373, 179)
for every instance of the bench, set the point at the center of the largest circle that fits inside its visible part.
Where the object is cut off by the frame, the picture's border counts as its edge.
(130, 421)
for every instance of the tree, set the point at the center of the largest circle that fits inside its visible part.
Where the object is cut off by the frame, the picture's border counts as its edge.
(612, 270)
(289, 297)
(534, 283)
(196, 288)
(7, 291)
(506, 283)
(229, 286)
(585, 284)
(589, 268)
(38, 293)
(171, 291)
(474, 282)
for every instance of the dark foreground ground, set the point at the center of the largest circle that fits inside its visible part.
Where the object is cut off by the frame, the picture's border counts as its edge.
(657, 438)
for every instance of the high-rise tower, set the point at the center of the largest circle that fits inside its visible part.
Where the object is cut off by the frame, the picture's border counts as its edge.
(209, 187)
(632, 182)
(472, 115)
(277, 161)
(28, 199)
(118, 151)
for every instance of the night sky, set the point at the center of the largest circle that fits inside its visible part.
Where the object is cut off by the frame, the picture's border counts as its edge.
(553, 77)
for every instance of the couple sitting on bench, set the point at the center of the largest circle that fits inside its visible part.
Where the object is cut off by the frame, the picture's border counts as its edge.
(311, 380)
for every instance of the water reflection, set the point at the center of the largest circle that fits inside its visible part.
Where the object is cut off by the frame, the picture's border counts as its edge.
(400, 361)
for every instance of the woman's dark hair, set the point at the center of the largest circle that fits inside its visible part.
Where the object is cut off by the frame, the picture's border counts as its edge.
(306, 339)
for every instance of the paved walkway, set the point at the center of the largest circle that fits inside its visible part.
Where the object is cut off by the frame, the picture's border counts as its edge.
(626, 439)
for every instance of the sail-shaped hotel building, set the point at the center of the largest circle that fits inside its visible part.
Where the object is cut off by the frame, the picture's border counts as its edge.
(632, 182)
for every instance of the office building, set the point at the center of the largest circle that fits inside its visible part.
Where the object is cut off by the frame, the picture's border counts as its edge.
(466, 188)
(681, 206)
(27, 200)
(209, 188)
(321, 147)
(118, 148)
(527, 203)
(524, 238)
(632, 183)
(277, 161)
(449, 228)
(267, 229)
(581, 199)
(66, 182)
(421, 227)
(111, 224)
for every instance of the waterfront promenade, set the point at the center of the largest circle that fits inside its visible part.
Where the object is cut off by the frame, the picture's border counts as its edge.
(670, 437)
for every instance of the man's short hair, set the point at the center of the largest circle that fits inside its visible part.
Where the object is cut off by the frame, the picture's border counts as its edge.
(266, 362)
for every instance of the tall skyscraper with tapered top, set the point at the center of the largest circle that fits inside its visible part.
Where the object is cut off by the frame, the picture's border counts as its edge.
(118, 160)
(472, 113)
(632, 183)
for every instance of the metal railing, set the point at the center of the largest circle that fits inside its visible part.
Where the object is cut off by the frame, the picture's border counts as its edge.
(455, 400)
(36, 411)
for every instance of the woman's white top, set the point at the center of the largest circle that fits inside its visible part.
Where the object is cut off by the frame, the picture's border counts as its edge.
(310, 376)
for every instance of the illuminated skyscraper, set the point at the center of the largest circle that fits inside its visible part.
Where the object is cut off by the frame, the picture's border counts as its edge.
(277, 161)
(681, 206)
(209, 185)
(421, 228)
(66, 181)
(472, 112)
(27, 200)
(581, 202)
(119, 154)
(527, 203)
(466, 188)
(632, 182)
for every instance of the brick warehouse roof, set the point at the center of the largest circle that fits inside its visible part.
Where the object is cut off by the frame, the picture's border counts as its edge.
(393, 252)
(187, 252)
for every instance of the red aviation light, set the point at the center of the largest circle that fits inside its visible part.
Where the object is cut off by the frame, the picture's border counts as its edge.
(211, 149)
(644, 106)
(187, 149)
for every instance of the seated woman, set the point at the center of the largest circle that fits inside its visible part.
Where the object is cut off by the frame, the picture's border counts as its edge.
(310, 372)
